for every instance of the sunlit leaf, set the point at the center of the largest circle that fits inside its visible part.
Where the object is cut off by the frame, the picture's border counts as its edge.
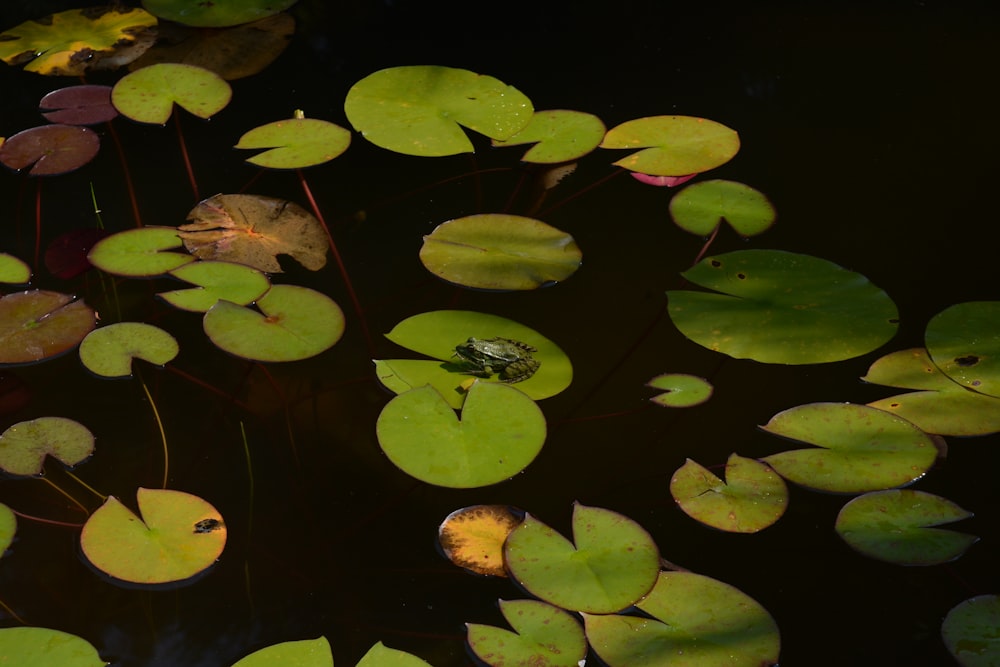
(381, 655)
(37, 324)
(702, 207)
(176, 536)
(108, 351)
(78, 105)
(673, 145)
(237, 283)
(544, 636)
(301, 653)
(148, 95)
(25, 445)
(216, 14)
(295, 143)
(52, 149)
(680, 390)
(8, 527)
(473, 537)
(970, 631)
(782, 308)
(964, 342)
(41, 647)
(13, 270)
(559, 135)
(254, 230)
(139, 253)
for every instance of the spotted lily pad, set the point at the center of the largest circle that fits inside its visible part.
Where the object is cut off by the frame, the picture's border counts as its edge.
(421, 109)
(702, 207)
(673, 145)
(42, 647)
(108, 351)
(301, 653)
(139, 253)
(500, 252)
(680, 390)
(473, 537)
(37, 324)
(24, 446)
(13, 270)
(970, 631)
(237, 283)
(964, 342)
(858, 449)
(218, 13)
(175, 536)
(611, 563)
(50, 149)
(148, 95)
(543, 635)
(559, 135)
(78, 105)
(782, 308)
(295, 143)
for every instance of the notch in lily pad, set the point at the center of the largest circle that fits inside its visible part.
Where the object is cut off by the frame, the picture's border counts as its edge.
(148, 95)
(295, 143)
(559, 135)
(702, 207)
(237, 283)
(680, 390)
(25, 445)
(673, 145)
(109, 350)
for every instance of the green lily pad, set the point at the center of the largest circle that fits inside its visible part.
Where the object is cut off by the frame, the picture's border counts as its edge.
(295, 143)
(673, 145)
(944, 407)
(13, 271)
(37, 324)
(860, 448)
(51, 149)
(421, 109)
(559, 135)
(500, 432)
(543, 635)
(139, 253)
(42, 647)
(78, 105)
(294, 323)
(176, 536)
(8, 527)
(702, 207)
(897, 526)
(697, 622)
(24, 446)
(72, 42)
(497, 251)
(611, 563)
(381, 655)
(752, 498)
(215, 14)
(964, 342)
(148, 95)
(970, 631)
(782, 308)
(437, 333)
(302, 653)
(108, 351)
(236, 283)
(680, 390)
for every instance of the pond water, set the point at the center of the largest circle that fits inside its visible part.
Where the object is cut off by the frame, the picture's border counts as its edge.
(870, 129)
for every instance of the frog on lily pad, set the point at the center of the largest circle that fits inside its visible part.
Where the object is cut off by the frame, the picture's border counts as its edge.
(509, 359)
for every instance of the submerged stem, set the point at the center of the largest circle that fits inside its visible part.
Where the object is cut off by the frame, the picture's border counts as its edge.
(31, 517)
(86, 486)
(184, 154)
(163, 435)
(66, 494)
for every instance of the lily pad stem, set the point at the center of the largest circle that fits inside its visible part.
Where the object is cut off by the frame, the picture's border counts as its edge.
(184, 154)
(163, 435)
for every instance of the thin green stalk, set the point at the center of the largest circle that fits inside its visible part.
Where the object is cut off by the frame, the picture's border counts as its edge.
(64, 493)
(163, 435)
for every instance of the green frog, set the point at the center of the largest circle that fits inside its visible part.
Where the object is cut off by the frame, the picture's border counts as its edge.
(511, 360)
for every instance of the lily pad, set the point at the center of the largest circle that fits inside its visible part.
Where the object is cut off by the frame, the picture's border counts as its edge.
(473, 537)
(216, 14)
(559, 135)
(13, 270)
(42, 647)
(148, 95)
(24, 446)
(8, 527)
(497, 251)
(294, 323)
(964, 342)
(680, 390)
(751, 498)
(782, 308)
(139, 253)
(108, 351)
(73, 42)
(78, 105)
(702, 207)
(302, 653)
(859, 448)
(898, 526)
(176, 536)
(66, 254)
(295, 143)
(37, 324)
(381, 655)
(544, 636)
(970, 631)
(673, 145)
(500, 432)
(254, 230)
(52, 149)
(421, 109)
(611, 563)
(697, 622)
(236, 283)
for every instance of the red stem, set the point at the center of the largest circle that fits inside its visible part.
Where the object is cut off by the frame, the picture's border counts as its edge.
(184, 154)
(128, 174)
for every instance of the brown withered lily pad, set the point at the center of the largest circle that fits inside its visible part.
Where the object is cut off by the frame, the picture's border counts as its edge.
(37, 324)
(52, 149)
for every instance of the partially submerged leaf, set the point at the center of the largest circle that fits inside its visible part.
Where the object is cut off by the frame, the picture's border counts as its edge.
(108, 351)
(218, 13)
(52, 149)
(559, 135)
(139, 253)
(78, 105)
(295, 143)
(42, 647)
(970, 631)
(544, 636)
(680, 390)
(66, 255)
(148, 95)
(37, 324)
(702, 207)
(673, 145)
(25, 445)
(473, 537)
(301, 653)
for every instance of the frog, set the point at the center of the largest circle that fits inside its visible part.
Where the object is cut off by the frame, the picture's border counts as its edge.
(510, 359)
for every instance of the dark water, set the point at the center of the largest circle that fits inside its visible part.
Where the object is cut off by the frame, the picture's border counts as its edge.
(871, 128)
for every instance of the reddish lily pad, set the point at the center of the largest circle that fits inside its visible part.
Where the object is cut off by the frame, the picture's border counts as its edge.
(970, 631)
(24, 446)
(301, 653)
(37, 324)
(42, 647)
(559, 135)
(148, 95)
(216, 14)
(79, 105)
(473, 537)
(544, 636)
(673, 145)
(109, 350)
(139, 253)
(13, 270)
(295, 143)
(702, 207)
(66, 255)
(52, 149)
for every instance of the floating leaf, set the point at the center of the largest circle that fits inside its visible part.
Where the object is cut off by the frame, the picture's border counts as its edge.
(8, 527)
(41, 647)
(302, 653)
(176, 536)
(611, 563)
(13, 270)
(473, 537)
(237, 283)
(970, 631)
(148, 95)
(897, 526)
(254, 230)
(108, 351)
(72, 42)
(964, 342)
(52, 149)
(380, 655)
(782, 308)
(218, 13)
(560, 135)
(697, 622)
(294, 323)
(66, 255)
(420, 110)
(674, 145)
(501, 431)
(680, 390)
(661, 181)
(295, 143)
(36, 325)
(78, 105)
(861, 448)
(544, 636)
(702, 207)
(139, 253)
(752, 498)
(24, 446)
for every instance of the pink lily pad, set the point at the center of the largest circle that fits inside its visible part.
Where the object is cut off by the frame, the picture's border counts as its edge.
(52, 149)
(78, 105)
